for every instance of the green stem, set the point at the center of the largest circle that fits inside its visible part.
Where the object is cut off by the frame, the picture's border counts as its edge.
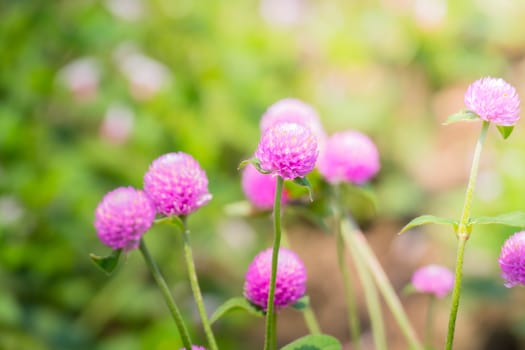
(353, 236)
(311, 321)
(351, 305)
(270, 337)
(175, 313)
(429, 323)
(371, 298)
(463, 234)
(194, 283)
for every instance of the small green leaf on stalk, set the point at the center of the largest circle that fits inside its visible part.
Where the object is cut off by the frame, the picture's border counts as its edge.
(302, 303)
(463, 115)
(505, 131)
(303, 181)
(429, 219)
(314, 342)
(109, 263)
(409, 289)
(172, 220)
(256, 163)
(237, 303)
(516, 219)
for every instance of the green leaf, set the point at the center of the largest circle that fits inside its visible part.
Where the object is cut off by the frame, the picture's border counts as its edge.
(302, 303)
(237, 303)
(429, 219)
(516, 219)
(314, 342)
(256, 163)
(109, 263)
(303, 181)
(173, 220)
(505, 131)
(464, 115)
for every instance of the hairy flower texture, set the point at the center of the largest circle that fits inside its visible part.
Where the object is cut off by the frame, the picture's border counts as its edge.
(512, 260)
(195, 347)
(290, 283)
(494, 100)
(292, 110)
(349, 156)
(433, 279)
(123, 216)
(287, 149)
(259, 188)
(176, 184)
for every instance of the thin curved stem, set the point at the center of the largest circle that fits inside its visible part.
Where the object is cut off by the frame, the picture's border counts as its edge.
(311, 320)
(163, 286)
(463, 234)
(194, 283)
(270, 337)
(429, 322)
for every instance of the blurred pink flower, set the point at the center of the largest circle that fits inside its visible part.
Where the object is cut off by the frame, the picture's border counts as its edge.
(512, 260)
(349, 156)
(129, 10)
(123, 216)
(259, 188)
(287, 149)
(494, 100)
(290, 283)
(282, 12)
(81, 77)
(433, 279)
(117, 124)
(176, 184)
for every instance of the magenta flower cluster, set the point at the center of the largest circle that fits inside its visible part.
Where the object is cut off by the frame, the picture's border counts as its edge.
(195, 347)
(259, 188)
(287, 149)
(290, 283)
(512, 260)
(433, 279)
(123, 216)
(349, 156)
(176, 184)
(494, 100)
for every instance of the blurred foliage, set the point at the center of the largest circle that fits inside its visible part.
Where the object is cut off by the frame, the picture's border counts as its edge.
(160, 76)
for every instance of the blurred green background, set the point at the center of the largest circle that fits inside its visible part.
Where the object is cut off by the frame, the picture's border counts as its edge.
(92, 91)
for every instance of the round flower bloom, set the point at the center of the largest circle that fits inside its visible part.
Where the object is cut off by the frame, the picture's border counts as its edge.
(290, 284)
(349, 156)
(123, 216)
(195, 347)
(512, 260)
(260, 188)
(433, 279)
(176, 184)
(292, 110)
(288, 150)
(494, 100)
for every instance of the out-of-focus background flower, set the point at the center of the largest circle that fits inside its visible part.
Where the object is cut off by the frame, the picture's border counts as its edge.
(92, 91)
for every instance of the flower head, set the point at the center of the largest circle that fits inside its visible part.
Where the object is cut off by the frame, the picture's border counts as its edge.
(292, 110)
(433, 279)
(494, 100)
(260, 188)
(512, 260)
(290, 283)
(195, 347)
(288, 150)
(349, 156)
(176, 184)
(123, 216)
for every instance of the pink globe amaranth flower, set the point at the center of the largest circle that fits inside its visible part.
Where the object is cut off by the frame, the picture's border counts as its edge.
(195, 347)
(290, 284)
(348, 156)
(259, 188)
(287, 149)
(433, 279)
(494, 100)
(292, 110)
(176, 184)
(123, 216)
(512, 260)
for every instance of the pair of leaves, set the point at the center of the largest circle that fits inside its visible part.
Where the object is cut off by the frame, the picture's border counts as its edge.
(515, 219)
(466, 115)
